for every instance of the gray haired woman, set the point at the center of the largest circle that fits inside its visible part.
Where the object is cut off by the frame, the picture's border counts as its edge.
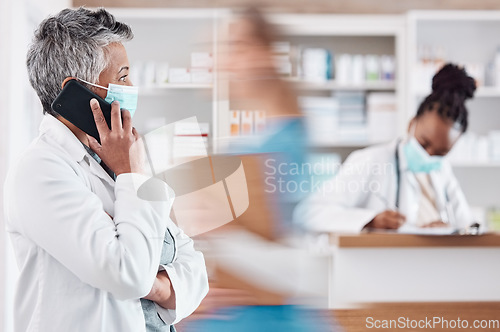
(92, 255)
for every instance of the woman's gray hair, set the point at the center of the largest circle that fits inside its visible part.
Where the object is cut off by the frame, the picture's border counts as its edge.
(71, 43)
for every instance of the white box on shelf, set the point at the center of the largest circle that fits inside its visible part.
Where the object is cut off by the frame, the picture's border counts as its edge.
(494, 140)
(281, 47)
(179, 75)
(201, 60)
(321, 118)
(137, 73)
(189, 146)
(149, 74)
(382, 116)
(387, 68)
(282, 64)
(358, 69)
(462, 149)
(496, 62)
(353, 133)
(352, 114)
(235, 123)
(201, 75)
(470, 148)
(477, 71)
(372, 68)
(259, 122)
(191, 129)
(343, 69)
(246, 122)
(162, 73)
(315, 64)
(482, 149)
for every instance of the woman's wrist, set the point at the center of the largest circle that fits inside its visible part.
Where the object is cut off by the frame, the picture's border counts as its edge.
(162, 291)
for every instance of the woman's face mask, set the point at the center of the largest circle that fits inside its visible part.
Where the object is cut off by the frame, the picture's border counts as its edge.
(126, 95)
(418, 160)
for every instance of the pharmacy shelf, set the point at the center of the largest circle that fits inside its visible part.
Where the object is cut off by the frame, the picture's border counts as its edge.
(345, 144)
(348, 34)
(148, 14)
(186, 86)
(158, 90)
(181, 32)
(337, 25)
(481, 92)
(333, 85)
(476, 44)
(438, 28)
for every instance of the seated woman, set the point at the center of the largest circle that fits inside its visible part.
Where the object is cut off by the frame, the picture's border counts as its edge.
(405, 181)
(87, 246)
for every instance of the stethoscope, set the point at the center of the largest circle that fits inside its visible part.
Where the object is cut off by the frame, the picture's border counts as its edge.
(398, 174)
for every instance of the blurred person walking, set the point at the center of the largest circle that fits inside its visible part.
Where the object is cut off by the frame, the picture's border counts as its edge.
(260, 278)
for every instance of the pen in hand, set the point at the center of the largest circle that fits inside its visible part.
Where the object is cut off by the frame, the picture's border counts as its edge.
(388, 219)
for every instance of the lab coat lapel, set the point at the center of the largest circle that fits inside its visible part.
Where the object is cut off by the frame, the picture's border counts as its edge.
(97, 170)
(409, 191)
(439, 188)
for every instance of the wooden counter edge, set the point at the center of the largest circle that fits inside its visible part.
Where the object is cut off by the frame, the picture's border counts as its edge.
(378, 240)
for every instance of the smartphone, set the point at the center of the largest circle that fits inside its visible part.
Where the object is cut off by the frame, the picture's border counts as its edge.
(73, 104)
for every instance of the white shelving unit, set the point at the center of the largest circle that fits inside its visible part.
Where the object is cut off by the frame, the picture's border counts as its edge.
(354, 145)
(171, 35)
(465, 37)
(353, 34)
(481, 92)
(332, 85)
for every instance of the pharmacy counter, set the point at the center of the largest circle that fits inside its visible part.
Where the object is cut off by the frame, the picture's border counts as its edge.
(385, 268)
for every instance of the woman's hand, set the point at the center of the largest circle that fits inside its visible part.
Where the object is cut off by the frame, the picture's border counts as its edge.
(115, 148)
(388, 219)
(162, 292)
(435, 224)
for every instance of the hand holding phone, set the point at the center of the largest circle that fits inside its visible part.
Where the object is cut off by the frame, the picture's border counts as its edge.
(115, 148)
(73, 104)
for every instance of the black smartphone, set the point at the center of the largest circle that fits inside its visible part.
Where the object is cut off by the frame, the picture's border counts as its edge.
(73, 104)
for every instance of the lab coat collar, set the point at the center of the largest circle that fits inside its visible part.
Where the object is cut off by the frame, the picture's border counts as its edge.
(71, 144)
(54, 128)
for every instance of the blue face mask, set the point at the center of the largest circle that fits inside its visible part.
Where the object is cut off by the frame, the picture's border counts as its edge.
(418, 160)
(126, 95)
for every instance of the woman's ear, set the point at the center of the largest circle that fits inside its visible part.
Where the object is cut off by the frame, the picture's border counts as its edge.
(66, 80)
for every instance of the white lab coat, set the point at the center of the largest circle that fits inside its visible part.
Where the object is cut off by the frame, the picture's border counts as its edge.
(88, 247)
(350, 200)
